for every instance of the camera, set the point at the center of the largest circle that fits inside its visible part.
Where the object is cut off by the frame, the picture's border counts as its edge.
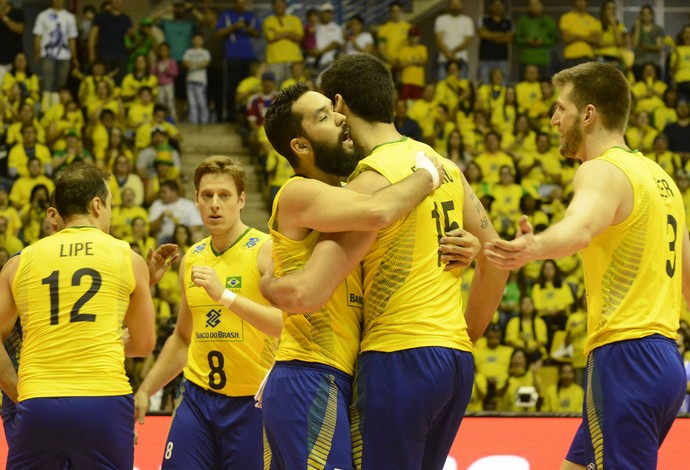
(526, 397)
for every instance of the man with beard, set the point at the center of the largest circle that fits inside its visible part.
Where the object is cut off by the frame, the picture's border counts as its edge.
(308, 392)
(415, 375)
(628, 219)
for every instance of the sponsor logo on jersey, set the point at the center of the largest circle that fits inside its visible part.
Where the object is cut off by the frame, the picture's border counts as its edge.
(213, 318)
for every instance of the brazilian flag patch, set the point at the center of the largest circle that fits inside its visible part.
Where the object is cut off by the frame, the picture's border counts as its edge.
(233, 282)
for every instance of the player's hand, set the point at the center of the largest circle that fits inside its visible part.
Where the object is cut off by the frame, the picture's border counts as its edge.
(141, 406)
(159, 261)
(513, 254)
(206, 277)
(459, 248)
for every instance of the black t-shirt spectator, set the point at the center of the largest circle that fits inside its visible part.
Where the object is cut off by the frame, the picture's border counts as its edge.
(490, 50)
(678, 137)
(111, 34)
(11, 42)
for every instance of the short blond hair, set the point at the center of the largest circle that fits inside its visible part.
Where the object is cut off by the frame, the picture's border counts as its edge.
(601, 85)
(222, 165)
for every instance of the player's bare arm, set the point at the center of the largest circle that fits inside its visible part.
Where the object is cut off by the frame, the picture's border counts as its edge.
(317, 206)
(265, 318)
(686, 266)
(8, 376)
(8, 308)
(307, 290)
(172, 359)
(603, 197)
(140, 316)
(488, 281)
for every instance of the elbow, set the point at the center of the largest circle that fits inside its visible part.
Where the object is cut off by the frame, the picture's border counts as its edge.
(379, 218)
(142, 347)
(306, 300)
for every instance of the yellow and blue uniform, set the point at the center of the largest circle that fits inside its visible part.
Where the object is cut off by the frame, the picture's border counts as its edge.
(227, 360)
(633, 274)
(72, 292)
(414, 328)
(308, 392)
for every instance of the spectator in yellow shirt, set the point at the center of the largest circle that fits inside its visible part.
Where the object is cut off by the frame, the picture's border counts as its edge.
(521, 392)
(22, 187)
(141, 111)
(140, 76)
(553, 298)
(283, 35)
(412, 60)
(612, 39)
(18, 158)
(649, 90)
(528, 92)
(296, 75)
(640, 134)
(581, 33)
(493, 158)
(422, 111)
(669, 161)
(565, 396)
(392, 36)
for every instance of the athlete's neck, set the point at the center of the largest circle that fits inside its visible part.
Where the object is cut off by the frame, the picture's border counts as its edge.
(82, 220)
(369, 135)
(222, 241)
(595, 146)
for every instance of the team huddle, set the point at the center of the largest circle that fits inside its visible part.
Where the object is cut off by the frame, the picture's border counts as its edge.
(340, 340)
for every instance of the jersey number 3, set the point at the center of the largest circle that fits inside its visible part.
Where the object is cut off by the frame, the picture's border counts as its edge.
(671, 262)
(75, 315)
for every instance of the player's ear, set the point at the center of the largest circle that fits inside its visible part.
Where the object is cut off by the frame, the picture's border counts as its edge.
(590, 114)
(340, 106)
(300, 146)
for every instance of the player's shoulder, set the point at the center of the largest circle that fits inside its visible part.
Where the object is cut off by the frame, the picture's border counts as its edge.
(198, 249)
(255, 239)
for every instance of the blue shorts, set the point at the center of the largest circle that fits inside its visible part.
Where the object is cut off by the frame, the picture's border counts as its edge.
(210, 431)
(306, 416)
(408, 406)
(633, 390)
(73, 432)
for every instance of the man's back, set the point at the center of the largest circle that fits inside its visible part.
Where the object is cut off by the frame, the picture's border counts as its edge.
(72, 291)
(410, 301)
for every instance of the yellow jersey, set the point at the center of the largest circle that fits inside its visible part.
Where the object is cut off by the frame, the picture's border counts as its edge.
(72, 292)
(331, 335)
(633, 270)
(409, 300)
(226, 354)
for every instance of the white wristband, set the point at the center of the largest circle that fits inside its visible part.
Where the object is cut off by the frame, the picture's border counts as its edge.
(227, 298)
(422, 161)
